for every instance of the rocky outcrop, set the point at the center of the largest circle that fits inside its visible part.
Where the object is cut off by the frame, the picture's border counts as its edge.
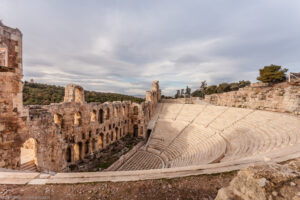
(279, 98)
(266, 182)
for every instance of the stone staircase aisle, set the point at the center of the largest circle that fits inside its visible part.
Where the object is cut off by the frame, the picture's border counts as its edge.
(29, 166)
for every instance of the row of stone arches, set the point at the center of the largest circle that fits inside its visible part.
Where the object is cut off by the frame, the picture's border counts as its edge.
(83, 148)
(106, 114)
(79, 150)
(103, 114)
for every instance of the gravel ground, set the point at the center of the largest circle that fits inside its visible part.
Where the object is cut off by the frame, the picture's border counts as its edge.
(194, 187)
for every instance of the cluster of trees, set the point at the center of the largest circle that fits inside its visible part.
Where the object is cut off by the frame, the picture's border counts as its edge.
(223, 87)
(91, 96)
(271, 74)
(183, 93)
(43, 94)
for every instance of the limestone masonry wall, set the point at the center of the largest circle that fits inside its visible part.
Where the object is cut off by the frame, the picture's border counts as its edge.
(280, 98)
(70, 131)
(64, 133)
(10, 95)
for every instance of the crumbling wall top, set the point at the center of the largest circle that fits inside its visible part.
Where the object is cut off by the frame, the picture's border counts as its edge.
(74, 93)
(14, 31)
(155, 85)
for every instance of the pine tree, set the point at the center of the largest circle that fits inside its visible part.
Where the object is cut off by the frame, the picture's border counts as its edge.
(272, 74)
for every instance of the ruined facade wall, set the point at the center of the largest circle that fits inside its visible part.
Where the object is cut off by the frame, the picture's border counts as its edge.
(280, 98)
(10, 96)
(68, 132)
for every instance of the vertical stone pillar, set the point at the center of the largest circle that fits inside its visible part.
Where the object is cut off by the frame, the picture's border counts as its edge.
(11, 100)
(74, 93)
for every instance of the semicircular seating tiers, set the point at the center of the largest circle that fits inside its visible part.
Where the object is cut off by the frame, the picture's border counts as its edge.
(195, 134)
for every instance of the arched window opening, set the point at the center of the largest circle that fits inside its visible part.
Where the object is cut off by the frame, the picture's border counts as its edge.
(77, 119)
(135, 110)
(93, 116)
(82, 136)
(116, 133)
(107, 114)
(100, 117)
(78, 151)
(94, 146)
(58, 120)
(112, 136)
(3, 57)
(124, 111)
(107, 139)
(116, 111)
(29, 151)
(69, 155)
(100, 141)
(135, 130)
(87, 148)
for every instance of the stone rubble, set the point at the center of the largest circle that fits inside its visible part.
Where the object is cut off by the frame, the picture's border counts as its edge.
(264, 182)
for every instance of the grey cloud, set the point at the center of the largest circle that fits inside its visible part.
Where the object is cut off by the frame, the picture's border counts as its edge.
(177, 42)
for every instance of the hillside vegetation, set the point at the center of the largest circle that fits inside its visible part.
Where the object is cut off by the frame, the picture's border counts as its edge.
(223, 87)
(43, 94)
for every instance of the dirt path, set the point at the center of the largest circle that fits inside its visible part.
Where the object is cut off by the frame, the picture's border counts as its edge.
(196, 187)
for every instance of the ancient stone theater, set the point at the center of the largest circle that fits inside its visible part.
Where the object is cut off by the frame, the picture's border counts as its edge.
(223, 132)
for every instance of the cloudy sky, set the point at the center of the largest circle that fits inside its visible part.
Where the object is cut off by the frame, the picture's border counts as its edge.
(122, 45)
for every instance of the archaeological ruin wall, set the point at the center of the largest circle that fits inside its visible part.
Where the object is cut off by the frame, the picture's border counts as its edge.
(61, 134)
(282, 97)
(68, 132)
(11, 103)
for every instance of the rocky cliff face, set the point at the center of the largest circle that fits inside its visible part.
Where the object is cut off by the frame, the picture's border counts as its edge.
(266, 182)
(280, 98)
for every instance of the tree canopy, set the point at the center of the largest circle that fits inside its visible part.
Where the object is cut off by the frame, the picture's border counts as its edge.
(272, 74)
(43, 94)
(222, 87)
